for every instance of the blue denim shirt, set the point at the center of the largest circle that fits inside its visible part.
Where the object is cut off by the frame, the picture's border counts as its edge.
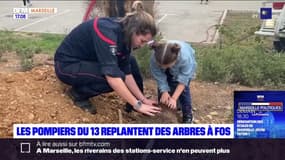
(182, 71)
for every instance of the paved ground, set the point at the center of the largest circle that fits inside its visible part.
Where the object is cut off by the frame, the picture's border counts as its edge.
(184, 20)
(189, 20)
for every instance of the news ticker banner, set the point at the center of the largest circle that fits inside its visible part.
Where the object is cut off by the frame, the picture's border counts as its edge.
(23, 13)
(125, 131)
(87, 149)
(259, 114)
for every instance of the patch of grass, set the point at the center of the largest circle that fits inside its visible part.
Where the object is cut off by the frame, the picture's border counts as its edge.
(244, 65)
(241, 57)
(27, 64)
(143, 58)
(28, 44)
(36, 43)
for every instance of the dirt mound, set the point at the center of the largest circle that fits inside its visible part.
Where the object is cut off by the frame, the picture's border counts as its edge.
(37, 96)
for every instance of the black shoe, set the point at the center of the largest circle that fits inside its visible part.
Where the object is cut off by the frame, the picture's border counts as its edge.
(188, 118)
(84, 104)
(128, 108)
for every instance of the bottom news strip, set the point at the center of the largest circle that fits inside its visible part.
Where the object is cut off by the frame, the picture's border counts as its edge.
(142, 149)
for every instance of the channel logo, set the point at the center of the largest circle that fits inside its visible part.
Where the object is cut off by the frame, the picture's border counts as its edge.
(265, 13)
(20, 16)
(22, 13)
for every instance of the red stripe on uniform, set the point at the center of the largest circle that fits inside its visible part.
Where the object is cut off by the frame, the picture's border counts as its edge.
(104, 38)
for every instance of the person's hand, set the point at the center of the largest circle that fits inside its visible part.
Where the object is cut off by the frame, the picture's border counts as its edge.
(164, 98)
(150, 102)
(171, 103)
(149, 110)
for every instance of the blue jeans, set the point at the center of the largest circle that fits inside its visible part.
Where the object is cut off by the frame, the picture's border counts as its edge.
(185, 97)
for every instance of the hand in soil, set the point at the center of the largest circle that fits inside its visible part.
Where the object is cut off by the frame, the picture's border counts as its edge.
(171, 103)
(150, 102)
(164, 98)
(149, 110)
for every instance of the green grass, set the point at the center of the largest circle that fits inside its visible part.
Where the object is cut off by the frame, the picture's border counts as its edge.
(35, 43)
(238, 29)
(143, 58)
(28, 44)
(241, 57)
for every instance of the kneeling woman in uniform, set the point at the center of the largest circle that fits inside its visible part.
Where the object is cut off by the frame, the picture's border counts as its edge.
(95, 58)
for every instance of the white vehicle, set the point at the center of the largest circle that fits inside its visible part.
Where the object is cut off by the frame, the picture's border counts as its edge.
(275, 27)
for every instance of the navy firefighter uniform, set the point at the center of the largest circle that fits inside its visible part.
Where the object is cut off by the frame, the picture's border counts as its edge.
(93, 50)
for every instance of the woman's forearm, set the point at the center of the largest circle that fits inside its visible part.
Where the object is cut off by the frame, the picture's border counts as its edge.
(133, 87)
(179, 89)
(121, 89)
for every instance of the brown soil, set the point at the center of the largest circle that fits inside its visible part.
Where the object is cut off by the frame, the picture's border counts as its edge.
(36, 96)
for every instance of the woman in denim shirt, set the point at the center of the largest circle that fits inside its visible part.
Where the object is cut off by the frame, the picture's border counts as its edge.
(173, 66)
